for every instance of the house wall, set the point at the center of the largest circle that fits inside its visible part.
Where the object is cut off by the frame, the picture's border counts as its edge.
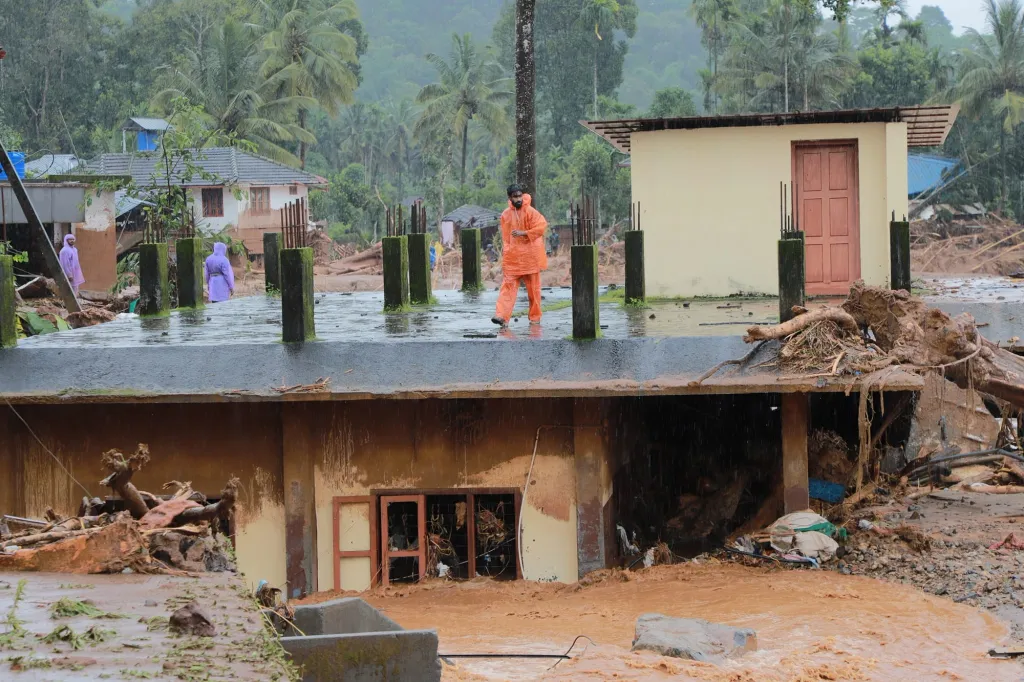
(710, 202)
(236, 210)
(204, 444)
(96, 240)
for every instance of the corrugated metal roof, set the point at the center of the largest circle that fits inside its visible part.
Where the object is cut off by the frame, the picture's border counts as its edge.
(229, 165)
(927, 126)
(51, 164)
(137, 123)
(485, 217)
(926, 171)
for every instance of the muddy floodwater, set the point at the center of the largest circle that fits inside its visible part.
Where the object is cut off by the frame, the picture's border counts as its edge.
(811, 625)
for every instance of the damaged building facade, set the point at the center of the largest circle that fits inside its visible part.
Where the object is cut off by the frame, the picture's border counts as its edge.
(361, 467)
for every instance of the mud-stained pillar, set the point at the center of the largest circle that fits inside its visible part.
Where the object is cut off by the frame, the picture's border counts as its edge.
(297, 295)
(472, 276)
(636, 292)
(791, 274)
(8, 319)
(154, 289)
(300, 442)
(419, 269)
(585, 307)
(188, 253)
(395, 251)
(272, 260)
(594, 544)
(795, 418)
(899, 255)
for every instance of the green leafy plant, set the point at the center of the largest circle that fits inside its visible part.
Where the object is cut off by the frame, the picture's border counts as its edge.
(65, 607)
(64, 633)
(7, 250)
(14, 631)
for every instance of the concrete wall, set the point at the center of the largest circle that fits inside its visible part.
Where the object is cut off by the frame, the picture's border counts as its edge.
(710, 202)
(236, 210)
(96, 239)
(204, 444)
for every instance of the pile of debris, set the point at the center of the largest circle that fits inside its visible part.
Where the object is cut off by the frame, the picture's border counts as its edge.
(961, 243)
(798, 538)
(41, 311)
(140, 531)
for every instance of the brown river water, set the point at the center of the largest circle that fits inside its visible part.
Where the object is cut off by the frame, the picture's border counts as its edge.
(811, 625)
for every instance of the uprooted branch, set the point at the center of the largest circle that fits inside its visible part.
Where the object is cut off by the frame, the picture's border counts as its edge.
(220, 509)
(780, 331)
(121, 469)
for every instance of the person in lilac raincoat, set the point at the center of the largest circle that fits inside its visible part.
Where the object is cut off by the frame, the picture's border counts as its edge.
(69, 263)
(220, 280)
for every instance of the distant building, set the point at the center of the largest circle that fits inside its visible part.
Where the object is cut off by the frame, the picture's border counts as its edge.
(469, 216)
(709, 189)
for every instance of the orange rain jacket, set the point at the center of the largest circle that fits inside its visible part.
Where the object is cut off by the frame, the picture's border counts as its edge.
(523, 255)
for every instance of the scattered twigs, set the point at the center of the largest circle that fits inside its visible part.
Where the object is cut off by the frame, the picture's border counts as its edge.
(321, 385)
(742, 361)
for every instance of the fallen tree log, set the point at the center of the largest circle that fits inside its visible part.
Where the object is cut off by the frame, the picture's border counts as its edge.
(790, 327)
(119, 480)
(220, 509)
(51, 536)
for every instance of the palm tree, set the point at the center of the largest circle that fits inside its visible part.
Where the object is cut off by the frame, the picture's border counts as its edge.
(220, 74)
(307, 52)
(470, 88)
(713, 17)
(992, 73)
(599, 13)
(399, 121)
(526, 111)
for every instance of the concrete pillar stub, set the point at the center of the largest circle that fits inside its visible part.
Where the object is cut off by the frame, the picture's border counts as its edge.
(420, 290)
(8, 307)
(792, 274)
(472, 277)
(586, 321)
(272, 260)
(297, 323)
(154, 287)
(395, 252)
(188, 253)
(899, 255)
(795, 423)
(635, 288)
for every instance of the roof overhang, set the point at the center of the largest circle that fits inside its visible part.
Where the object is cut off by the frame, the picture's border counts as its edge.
(927, 126)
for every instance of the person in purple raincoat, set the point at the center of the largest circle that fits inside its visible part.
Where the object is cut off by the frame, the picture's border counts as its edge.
(69, 263)
(220, 280)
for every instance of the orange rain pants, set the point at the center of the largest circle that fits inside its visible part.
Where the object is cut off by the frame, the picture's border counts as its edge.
(509, 291)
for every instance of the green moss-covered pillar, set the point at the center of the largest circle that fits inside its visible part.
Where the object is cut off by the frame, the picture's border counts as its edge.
(297, 295)
(635, 291)
(791, 275)
(272, 260)
(472, 277)
(585, 314)
(189, 256)
(154, 289)
(8, 308)
(419, 268)
(899, 255)
(395, 251)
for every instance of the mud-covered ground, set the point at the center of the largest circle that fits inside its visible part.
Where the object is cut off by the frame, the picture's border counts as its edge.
(940, 544)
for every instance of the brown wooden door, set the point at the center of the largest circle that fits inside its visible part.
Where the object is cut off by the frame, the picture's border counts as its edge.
(825, 175)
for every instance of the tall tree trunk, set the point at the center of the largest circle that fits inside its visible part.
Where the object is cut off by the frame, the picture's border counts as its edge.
(806, 106)
(1002, 153)
(714, 64)
(596, 115)
(302, 144)
(526, 80)
(785, 82)
(465, 143)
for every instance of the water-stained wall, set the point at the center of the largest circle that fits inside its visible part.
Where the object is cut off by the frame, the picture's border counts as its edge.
(204, 444)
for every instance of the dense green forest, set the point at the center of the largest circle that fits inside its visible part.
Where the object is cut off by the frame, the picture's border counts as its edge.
(390, 99)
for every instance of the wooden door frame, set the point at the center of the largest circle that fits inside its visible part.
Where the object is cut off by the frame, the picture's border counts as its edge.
(371, 553)
(421, 524)
(855, 232)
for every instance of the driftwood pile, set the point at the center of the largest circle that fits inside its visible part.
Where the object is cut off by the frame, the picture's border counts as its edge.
(153, 534)
(876, 328)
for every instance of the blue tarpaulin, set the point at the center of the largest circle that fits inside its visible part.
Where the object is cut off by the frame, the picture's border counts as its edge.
(926, 172)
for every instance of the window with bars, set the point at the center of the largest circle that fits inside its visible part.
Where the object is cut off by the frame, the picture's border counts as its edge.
(259, 199)
(293, 190)
(213, 202)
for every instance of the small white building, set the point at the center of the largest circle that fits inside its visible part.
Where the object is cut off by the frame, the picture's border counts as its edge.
(235, 192)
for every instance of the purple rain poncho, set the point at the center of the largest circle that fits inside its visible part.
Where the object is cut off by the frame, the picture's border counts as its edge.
(220, 279)
(70, 265)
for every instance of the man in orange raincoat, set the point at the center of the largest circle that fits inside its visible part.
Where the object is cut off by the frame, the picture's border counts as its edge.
(522, 256)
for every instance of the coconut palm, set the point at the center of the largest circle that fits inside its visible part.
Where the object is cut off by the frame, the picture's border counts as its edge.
(221, 76)
(713, 17)
(604, 15)
(307, 52)
(471, 88)
(992, 72)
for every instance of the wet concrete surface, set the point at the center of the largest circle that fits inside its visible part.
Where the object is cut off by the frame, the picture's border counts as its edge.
(132, 640)
(358, 317)
(996, 303)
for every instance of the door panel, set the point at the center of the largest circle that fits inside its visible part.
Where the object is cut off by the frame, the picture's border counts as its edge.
(827, 201)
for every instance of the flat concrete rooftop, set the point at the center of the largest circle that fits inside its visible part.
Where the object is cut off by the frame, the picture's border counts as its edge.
(232, 351)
